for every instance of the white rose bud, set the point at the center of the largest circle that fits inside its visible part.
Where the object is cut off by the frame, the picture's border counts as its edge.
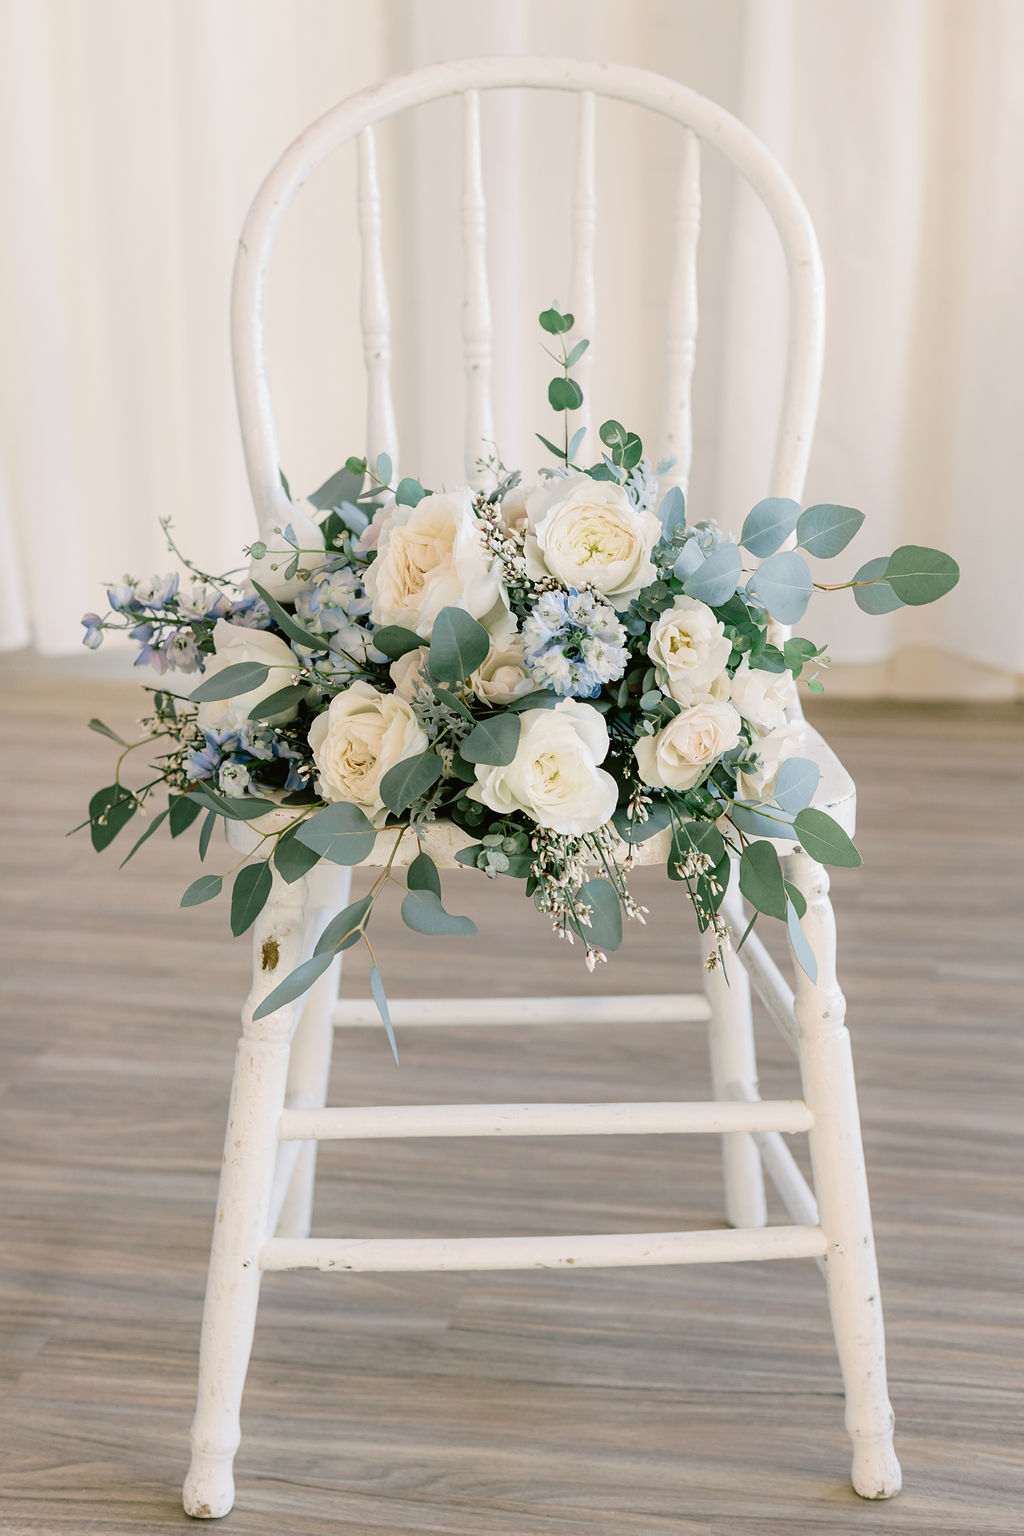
(772, 748)
(432, 556)
(588, 533)
(502, 676)
(357, 739)
(235, 643)
(407, 673)
(554, 777)
(689, 649)
(683, 753)
(761, 697)
(269, 569)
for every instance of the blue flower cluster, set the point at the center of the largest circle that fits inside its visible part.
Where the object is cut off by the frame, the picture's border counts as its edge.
(229, 756)
(574, 644)
(167, 623)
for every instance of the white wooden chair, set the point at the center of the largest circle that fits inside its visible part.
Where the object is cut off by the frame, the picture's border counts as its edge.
(277, 1112)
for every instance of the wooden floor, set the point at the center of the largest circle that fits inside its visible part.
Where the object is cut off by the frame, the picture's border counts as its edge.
(587, 1404)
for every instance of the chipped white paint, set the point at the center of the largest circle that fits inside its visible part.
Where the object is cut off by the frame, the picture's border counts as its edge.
(267, 1177)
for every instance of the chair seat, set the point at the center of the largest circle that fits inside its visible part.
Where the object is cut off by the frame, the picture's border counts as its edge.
(442, 839)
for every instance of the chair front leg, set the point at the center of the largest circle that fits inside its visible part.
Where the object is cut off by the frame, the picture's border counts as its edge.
(240, 1229)
(734, 1065)
(840, 1182)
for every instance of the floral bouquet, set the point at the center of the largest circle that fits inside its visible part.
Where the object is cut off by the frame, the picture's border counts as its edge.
(562, 670)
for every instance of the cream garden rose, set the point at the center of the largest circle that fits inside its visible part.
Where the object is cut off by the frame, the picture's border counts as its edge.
(407, 673)
(683, 752)
(357, 739)
(432, 556)
(235, 643)
(588, 533)
(689, 649)
(555, 777)
(761, 697)
(502, 677)
(269, 569)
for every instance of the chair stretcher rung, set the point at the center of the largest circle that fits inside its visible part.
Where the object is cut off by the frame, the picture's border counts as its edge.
(661, 1008)
(613, 1250)
(542, 1120)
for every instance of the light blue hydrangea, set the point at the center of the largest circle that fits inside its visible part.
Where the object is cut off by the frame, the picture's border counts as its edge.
(331, 600)
(574, 644)
(93, 625)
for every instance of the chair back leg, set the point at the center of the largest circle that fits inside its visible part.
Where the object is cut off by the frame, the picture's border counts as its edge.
(734, 1075)
(243, 1207)
(840, 1182)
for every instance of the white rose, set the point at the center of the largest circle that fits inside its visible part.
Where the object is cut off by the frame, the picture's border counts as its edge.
(432, 556)
(357, 739)
(689, 649)
(682, 754)
(512, 508)
(772, 748)
(235, 643)
(407, 673)
(588, 533)
(554, 776)
(761, 697)
(502, 676)
(269, 569)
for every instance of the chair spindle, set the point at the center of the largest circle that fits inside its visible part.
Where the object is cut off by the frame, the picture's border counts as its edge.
(375, 315)
(582, 301)
(476, 307)
(677, 434)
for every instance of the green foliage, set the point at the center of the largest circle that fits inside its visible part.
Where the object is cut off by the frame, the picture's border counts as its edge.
(673, 512)
(205, 834)
(564, 395)
(233, 807)
(877, 596)
(154, 826)
(784, 585)
(718, 576)
(380, 998)
(408, 780)
(796, 783)
(761, 879)
(422, 874)
(772, 823)
(768, 525)
(292, 858)
(384, 469)
(493, 742)
(825, 530)
(423, 913)
(658, 818)
(249, 895)
(918, 576)
(110, 810)
(824, 839)
(203, 889)
(104, 730)
(625, 448)
(554, 322)
(798, 652)
(802, 951)
(277, 703)
(243, 677)
(344, 486)
(604, 931)
(346, 929)
(395, 641)
(339, 833)
(573, 357)
(458, 644)
(293, 986)
(797, 898)
(542, 699)
(182, 811)
(289, 624)
(409, 492)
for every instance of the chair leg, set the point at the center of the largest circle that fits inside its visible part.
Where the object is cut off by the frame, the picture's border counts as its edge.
(734, 1062)
(840, 1181)
(250, 1151)
(310, 1069)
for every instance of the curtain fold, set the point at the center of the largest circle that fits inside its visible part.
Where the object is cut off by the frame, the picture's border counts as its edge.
(132, 138)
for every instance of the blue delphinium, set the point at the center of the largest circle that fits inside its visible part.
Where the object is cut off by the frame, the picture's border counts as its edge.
(574, 644)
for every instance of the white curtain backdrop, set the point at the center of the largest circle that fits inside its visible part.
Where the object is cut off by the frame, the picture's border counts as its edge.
(133, 134)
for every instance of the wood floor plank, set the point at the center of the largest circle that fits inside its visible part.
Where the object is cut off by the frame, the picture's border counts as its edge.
(600, 1403)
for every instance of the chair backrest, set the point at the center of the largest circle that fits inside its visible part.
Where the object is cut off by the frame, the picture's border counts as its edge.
(355, 118)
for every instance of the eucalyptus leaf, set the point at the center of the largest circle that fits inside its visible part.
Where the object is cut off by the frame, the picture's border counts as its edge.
(672, 511)
(343, 486)
(554, 322)
(658, 818)
(576, 440)
(824, 839)
(380, 998)
(761, 879)
(339, 833)
(458, 644)
(233, 807)
(206, 833)
(292, 858)
(802, 951)
(770, 823)
(768, 525)
(249, 895)
(716, 580)
(877, 597)
(385, 468)
(110, 810)
(784, 585)
(298, 981)
(281, 702)
(395, 641)
(345, 929)
(182, 810)
(104, 730)
(241, 678)
(542, 699)
(493, 742)
(797, 897)
(289, 624)
(825, 530)
(409, 779)
(796, 783)
(918, 575)
(423, 913)
(604, 931)
(409, 492)
(154, 826)
(203, 889)
(689, 559)
(564, 395)
(422, 874)
(576, 353)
